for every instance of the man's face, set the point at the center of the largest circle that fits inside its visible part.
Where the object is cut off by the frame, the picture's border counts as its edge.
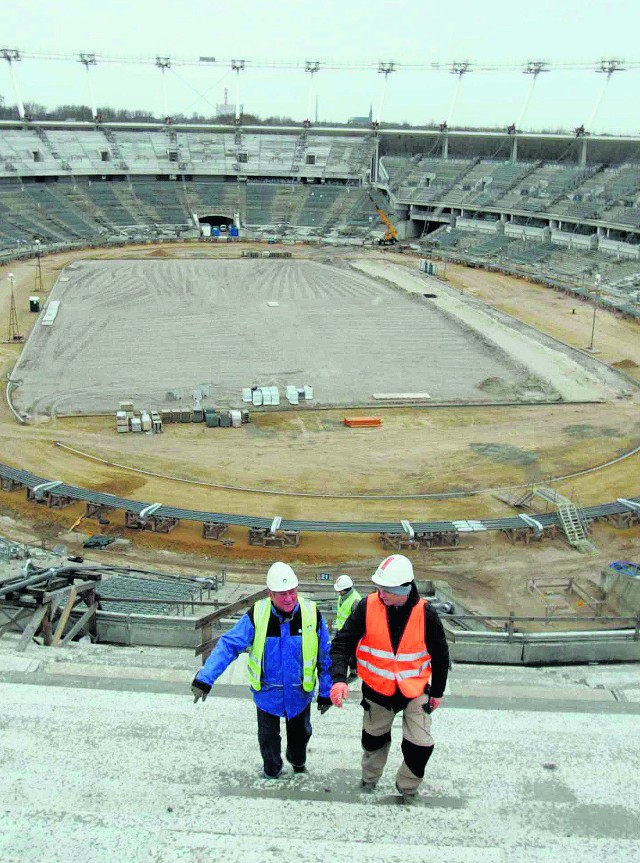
(391, 599)
(284, 600)
(343, 592)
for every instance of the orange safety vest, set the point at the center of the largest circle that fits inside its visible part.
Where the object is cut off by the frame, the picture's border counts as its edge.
(383, 670)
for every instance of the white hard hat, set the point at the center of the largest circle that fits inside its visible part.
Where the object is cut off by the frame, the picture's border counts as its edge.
(343, 583)
(393, 571)
(281, 577)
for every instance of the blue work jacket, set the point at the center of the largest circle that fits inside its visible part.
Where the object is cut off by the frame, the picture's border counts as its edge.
(282, 693)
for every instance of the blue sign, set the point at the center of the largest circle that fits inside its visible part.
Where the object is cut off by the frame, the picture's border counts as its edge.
(325, 576)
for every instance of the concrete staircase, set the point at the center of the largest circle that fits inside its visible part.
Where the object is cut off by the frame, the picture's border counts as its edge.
(106, 746)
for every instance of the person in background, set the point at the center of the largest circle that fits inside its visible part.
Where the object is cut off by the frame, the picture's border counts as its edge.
(348, 596)
(403, 661)
(288, 644)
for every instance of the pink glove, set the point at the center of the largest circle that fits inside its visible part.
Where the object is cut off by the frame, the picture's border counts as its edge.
(434, 703)
(339, 693)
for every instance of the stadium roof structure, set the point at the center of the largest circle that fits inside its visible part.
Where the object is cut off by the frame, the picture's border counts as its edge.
(320, 129)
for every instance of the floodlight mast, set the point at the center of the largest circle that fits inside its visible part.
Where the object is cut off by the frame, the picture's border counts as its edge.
(596, 292)
(237, 66)
(88, 60)
(533, 68)
(12, 55)
(459, 68)
(385, 69)
(312, 67)
(606, 68)
(164, 63)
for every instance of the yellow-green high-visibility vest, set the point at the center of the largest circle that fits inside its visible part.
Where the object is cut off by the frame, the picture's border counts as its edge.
(261, 614)
(345, 604)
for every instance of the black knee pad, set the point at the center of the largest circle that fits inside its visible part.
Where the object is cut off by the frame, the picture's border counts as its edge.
(416, 757)
(373, 742)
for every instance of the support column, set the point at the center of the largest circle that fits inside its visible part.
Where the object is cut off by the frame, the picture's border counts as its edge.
(583, 152)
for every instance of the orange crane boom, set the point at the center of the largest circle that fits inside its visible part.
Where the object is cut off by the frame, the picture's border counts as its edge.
(390, 235)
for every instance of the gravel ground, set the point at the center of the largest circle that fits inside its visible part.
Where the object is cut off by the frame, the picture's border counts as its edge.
(138, 329)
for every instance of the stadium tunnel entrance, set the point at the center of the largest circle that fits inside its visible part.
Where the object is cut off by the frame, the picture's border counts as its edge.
(216, 221)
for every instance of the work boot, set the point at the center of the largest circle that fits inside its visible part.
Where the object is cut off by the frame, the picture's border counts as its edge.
(367, 787)
(406, 797)
(269, 776)
(299, 768)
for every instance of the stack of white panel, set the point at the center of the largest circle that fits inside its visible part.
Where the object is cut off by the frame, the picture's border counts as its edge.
(257, 397)
(292, 394)
(136, 424)
(236, 419)
(275, 395)
(246, 394)
(266, 395)
(308, 392)
(145, 421)
(122, 422)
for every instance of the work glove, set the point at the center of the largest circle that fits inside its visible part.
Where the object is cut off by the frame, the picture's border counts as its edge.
(434, 703)
(323, 704)
(339, 694)
(199, 693)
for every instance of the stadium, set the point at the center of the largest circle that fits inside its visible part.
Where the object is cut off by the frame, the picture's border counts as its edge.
(184, 211)
(228, 343)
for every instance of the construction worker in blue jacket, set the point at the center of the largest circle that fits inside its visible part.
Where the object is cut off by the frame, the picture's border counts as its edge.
(288, 646)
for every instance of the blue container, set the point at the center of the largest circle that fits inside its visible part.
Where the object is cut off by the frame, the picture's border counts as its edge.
(215, 232)
(234, 231)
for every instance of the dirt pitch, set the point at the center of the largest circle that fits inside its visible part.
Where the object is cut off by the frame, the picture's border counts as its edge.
(151, 330)
(415, 452)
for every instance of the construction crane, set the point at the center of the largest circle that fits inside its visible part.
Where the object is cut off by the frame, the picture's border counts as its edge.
(390, 235)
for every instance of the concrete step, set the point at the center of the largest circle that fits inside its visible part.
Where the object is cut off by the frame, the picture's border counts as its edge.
(147, 776)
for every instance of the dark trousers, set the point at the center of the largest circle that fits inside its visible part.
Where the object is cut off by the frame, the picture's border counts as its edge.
(298, 733)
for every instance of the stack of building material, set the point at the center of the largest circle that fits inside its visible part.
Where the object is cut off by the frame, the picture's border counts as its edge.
(292, 395)
(236, 419)
(296, 394)
(156, 422)
(145, 420)
(122, 422)
(211, 418)
(362, 422)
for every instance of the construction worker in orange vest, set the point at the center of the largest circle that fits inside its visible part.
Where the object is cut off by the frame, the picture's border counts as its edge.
(403, 661)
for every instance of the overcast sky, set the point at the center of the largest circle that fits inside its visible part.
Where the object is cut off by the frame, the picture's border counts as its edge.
(359, 32)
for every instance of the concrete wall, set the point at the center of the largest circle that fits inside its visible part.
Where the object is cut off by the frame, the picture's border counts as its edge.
(513, 229)
(541, 648)
(574, 241)
(622, 591)
(625, 250)
(146, 630)
(482, 226)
